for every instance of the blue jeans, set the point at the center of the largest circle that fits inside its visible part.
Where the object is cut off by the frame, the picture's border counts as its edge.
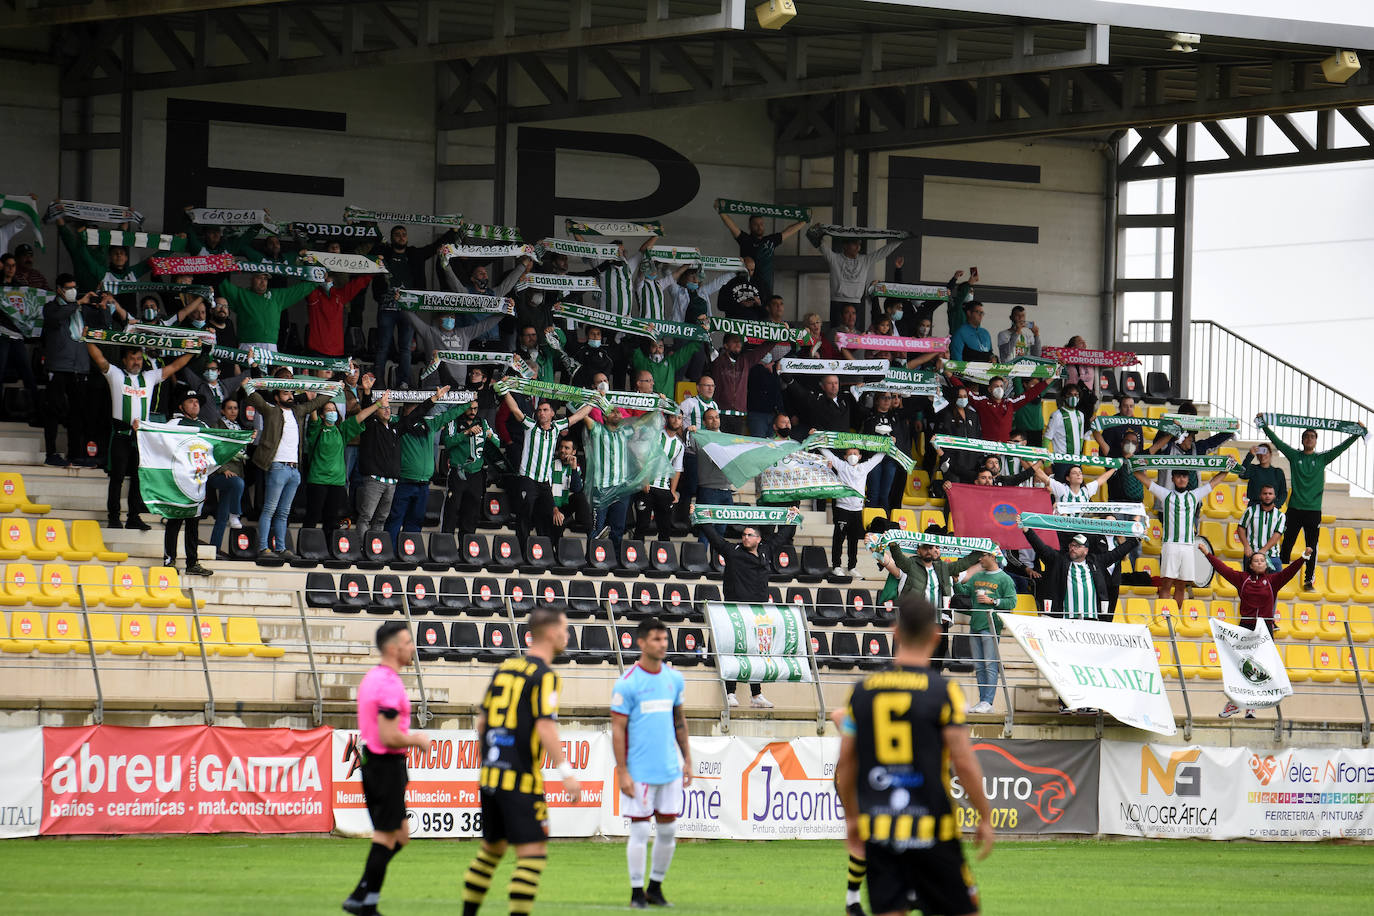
(614, 516)
(387, 323)
(709, 497)
(407, 508)
(282, 481)
(230, 503)
(760, 424)
(880, 481)
(986, 667)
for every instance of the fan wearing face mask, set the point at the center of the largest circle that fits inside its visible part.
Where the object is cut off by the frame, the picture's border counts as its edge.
(442, 332)
(596, 354)
(997, 409)
(1067, 429)
(325, 309)
(326, 487)
(853, 473)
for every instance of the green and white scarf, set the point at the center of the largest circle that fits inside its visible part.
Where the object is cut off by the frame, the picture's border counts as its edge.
(553, 391)
(1104, 423)
(1024, 452)
(23, 306)
(168, 343)
(610, 228)
(882, 290)
(1109, 508)
(634, 400)
(487, 252)
(906, 381)
(1344, 427)
(360, 215)
(760, 330)
(119, 287)
(565, 283)
(1082, 525)
(777, 211)
(948, 544)
(231, 216)
(1180, 462)
(796, 366)
(721, 263)
(802, 475)
(281, 269)
(24, 207)
(1212, 424)
(486, 233)
(422, 300)
(338, 262)
(984, 371)
(205, 338)
(419, 396)
(573, 248)
(87, 212)
(885, 444)
(748, 515)
(273, 359)
(313, 385)
(107, 237)
(855, 232)
(640, 327)
(479, 358)
(675, 254)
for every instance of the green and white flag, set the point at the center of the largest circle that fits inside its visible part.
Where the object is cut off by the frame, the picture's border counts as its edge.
(802, 475)
(742, 457)
(760, 330)
(1024, 452)
(882, 290)
(981, 372)
(24, 207)
(743, 515)
(798, 366)
(174, 462)
(1212, 424)
(611, 228)
(777, 211)
(760, 643)
(1344, 427)
(423, 300)
(1082, 525)
(23, 306)
(1252, 673)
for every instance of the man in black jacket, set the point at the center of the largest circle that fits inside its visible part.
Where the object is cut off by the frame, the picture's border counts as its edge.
(379, 458)
(1075, 581)
(748, 566)
(959, 419)
(405, 264)
(830, 409)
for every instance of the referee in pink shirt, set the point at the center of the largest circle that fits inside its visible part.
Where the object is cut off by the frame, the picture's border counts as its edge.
(384, 735)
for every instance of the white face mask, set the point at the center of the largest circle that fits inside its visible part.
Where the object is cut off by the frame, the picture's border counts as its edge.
(69, 294)
(997, 393)
(1128, 449)
(656, 357)
(852, 459)
(536, 298)
(603, 386)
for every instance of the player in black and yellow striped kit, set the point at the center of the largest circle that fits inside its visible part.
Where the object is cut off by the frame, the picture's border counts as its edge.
(901, 732)
(517, 725)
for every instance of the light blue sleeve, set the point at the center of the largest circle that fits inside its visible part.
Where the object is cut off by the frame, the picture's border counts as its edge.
(623, 699)
(680, 694)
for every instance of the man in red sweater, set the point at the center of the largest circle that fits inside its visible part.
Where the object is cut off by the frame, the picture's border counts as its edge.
(325, 308)
(996, 410)
(1257, 590)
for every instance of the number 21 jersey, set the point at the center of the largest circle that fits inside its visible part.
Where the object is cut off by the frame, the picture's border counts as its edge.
(523, 691)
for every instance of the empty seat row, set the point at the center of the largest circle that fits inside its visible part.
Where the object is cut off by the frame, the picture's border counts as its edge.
(588, 644)
(14, 496)
(46, 539)
(55, 585)
(165, 635)
(1319, 663)
(1298, 621)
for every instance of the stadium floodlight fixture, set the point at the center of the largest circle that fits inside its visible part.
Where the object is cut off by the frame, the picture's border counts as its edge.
(774, 14)
(1341, 66)
(1184, 42)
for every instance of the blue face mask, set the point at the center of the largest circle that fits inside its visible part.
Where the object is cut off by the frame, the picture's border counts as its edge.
(594, 344)
(692, 286)
(331, 417)
(197, 324)
(897, 315)
(448, 324)
(212, 375)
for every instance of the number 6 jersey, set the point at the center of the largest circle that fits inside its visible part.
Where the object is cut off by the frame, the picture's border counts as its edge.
(523, 691)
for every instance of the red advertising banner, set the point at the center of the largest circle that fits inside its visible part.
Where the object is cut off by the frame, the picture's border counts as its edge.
(186, 779)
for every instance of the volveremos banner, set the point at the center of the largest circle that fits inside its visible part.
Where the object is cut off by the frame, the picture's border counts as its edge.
(442, 800)
(185, 779)
(1235, 792)
(1034, 787)
(21, 781)
(1107, 666)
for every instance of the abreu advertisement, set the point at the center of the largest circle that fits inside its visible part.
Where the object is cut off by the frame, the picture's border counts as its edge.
(1228, 793)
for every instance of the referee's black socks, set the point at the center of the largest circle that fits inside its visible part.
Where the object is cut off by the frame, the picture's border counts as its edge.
(369, 889)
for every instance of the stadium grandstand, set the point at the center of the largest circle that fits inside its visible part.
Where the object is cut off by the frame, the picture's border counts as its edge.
(884, 228)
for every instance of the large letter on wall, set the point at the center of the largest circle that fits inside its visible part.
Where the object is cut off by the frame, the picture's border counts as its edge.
(537, 178)
(189, 173)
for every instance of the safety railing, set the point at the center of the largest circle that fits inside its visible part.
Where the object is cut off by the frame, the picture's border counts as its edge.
(1241, 379)
(326, 653)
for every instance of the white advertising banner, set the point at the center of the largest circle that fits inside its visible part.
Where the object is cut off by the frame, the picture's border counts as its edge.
(1107, 666)
(21, 781)
(1229, 793)
(1252, 674)
(442, 800)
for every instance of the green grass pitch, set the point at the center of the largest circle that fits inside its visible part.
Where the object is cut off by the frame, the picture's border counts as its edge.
(250, 874)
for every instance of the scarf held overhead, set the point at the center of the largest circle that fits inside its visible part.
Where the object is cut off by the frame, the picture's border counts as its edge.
(1344, 427)
(1024, 452)
(107, 237)
(194, 264)
(360, 215)
(1075, 356)
(882, 290)
(610, 228)
(169, 343)
(888, 342)
(420, 300)
(340, 263)
(777, 211)
(88, 212)
(314, 274)
(796, 366)
(1079, 525)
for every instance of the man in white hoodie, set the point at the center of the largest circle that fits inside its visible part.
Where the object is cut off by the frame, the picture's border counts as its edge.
(848, 511)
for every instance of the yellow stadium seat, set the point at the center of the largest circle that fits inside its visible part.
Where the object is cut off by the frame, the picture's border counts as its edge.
(1363, 582)
(937, 503)
(1138, 612)
(65, 634)
(105, 633)
(1221, 588)
(1304, 622)
(1297, 659)
(1326, 663)
(212, 634)
(1331, 623)
(1190, 658)
(14, 498)
(127, 582)
(1224, 610)
(1361, 623)
(51, 534)
(1324, 548)
(138, 630)
(931, 517)
(1235, 542)
(1210, 666)
(243, 631)
(1335, 583)
(1154, 538)
(1283, 620)
(1345, 546)
(870, 514)
(906, 518)
(16, 542)
(1290, 588)
(20, 636)
(1192, 619)
(86, 536)
(1025, 604)
(1367, 545)
(174, 633)
(22, 586)
(1219, 502)
(1164, 653)
(1164, 607)
(59, 585)
(1348, 663)
(1215, 533)
(94, 580)
(1146, 565)
(163, 582)
(1366, 662)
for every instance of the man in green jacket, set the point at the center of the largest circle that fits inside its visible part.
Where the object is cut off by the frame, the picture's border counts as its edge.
(932, 579)
(259, 309)
(985, 589)
(1305, 501)
(1259, 472)
(664, 367)
(326, 483)
(417, 467)
(469, 442)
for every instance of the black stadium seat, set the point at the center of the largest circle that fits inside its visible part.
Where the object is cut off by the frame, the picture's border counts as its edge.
(421, 594)
(820, 646)
(703, 593)
(629, 648)
(786, 562)
(434, 507)
(464, 641)
(344, 550)
(495, 510)
(690, 647)
(311, 549)
(386, 595)
(497, 643)
(243, 544)
(830, 607)
(410, 551)
(662, 560)
(443, 553)
(692, 560)
(844, 650)
(354, 593)
(520, 594)
(873, 650)
(548, 594)
(858, 608)
(815, 565)
(473, 553)
(615, 597)
(276, 561)
(582, 600)
(453, 597)
(1106, 385)
(601, 557)
(486, 597)
(632, 558)
(594, 645)
(319, 590)
(677, 601)
(1132, 384)
(885, 612)
(572, 555)
(644, 601)
(800, 598)
(571, 651)
(431, 641)
(377, 550)
(1158, 388)
(505, 553)
(774, 595)
(716, 569)
(539, 556)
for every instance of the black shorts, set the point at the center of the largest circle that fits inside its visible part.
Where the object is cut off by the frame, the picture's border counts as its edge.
(384, 786)
(515, 817)
(935, 879)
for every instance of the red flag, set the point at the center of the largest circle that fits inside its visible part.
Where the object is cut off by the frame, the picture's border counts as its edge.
(991, 512)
